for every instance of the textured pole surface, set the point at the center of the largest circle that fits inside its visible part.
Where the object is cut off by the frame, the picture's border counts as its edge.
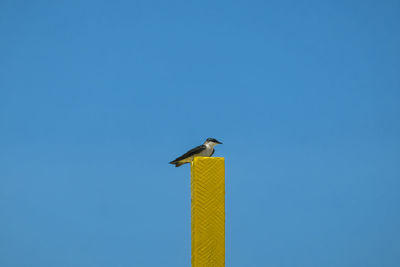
(208, 212)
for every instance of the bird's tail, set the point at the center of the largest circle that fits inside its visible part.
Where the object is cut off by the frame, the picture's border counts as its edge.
(177, 163)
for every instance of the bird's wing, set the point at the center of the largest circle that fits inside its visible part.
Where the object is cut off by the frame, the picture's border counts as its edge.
(190, 153)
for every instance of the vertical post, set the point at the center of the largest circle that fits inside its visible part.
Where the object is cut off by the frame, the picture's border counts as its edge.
(208, 212)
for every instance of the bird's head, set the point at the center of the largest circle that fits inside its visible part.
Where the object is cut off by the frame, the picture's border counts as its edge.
(212, 141)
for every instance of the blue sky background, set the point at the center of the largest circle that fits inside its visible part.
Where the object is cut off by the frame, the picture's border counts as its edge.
(96, 97)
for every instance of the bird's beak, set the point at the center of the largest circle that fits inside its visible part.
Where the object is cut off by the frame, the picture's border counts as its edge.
(218, 142)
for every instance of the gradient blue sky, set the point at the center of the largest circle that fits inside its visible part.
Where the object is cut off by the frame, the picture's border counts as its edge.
(96, 97)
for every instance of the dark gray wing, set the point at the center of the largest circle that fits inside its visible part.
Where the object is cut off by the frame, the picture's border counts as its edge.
(190, 153)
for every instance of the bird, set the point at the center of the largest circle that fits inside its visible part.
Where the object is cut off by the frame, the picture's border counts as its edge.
(204, 150)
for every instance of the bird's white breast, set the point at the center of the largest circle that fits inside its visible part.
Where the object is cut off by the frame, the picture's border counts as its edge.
(208, 151)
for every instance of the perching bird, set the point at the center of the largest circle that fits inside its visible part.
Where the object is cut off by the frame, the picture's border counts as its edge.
(204, 150)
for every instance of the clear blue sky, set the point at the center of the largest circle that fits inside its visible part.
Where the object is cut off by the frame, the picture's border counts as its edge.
(97, 97)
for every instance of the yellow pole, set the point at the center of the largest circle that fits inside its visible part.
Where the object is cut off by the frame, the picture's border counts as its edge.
(208, 212)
